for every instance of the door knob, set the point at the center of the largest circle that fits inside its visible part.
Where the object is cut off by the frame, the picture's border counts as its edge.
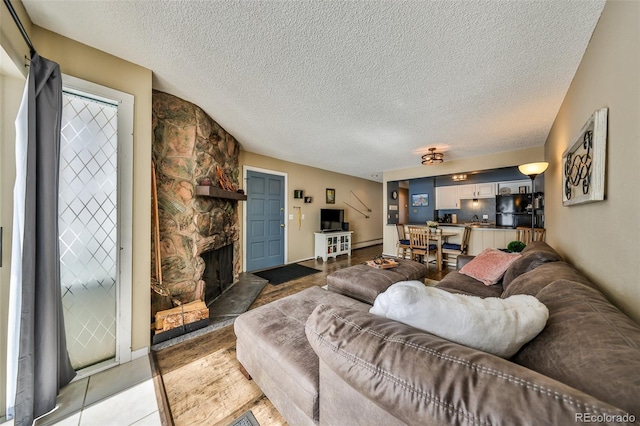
(282, 225)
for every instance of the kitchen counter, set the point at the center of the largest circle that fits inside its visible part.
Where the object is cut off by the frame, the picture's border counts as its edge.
(482, 236)
(476, 225)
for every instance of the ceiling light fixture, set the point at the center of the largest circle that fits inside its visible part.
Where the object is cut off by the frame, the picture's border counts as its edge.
(432, 157)
(458, 178)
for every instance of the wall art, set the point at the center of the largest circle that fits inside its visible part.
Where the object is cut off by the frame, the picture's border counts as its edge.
(419, 200)
(583, 163)
(331, 196)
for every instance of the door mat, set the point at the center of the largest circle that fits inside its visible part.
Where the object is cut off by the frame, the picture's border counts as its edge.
(247, 419)
(285, 273)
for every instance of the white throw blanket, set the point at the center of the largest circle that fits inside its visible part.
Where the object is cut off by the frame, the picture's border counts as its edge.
(494, 325)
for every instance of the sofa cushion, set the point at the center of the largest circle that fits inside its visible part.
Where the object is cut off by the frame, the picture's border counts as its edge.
(540, 246)
(455, 282)
(364, 283)
(489, 266)
(494, 325)
(537, 254)
(588, 344)
(422, 379)
(273, 348)
(535, 280)
(410, 270)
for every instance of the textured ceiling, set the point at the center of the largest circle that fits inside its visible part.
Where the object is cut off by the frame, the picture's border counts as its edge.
(356, 87)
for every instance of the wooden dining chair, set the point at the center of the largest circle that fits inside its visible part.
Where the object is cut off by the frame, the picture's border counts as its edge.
(457, 249)
(419, 242)
(404, 245)
(523, 234)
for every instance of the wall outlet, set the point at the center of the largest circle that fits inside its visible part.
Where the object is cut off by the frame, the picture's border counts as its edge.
(302, 217)
(290, 217)
(485, 216)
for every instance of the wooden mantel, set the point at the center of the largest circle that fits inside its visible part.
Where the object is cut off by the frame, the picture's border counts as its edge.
(211, 191)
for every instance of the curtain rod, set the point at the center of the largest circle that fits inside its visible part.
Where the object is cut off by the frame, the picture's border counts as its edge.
(16, 19)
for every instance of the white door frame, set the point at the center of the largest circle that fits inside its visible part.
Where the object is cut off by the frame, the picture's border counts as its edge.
(125, 103)
(245, 170)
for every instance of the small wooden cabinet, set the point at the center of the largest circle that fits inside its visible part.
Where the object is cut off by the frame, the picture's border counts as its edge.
(332, 244)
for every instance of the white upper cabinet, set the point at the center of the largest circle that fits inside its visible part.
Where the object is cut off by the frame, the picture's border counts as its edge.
(467, 191)
(447, 198)
(486, 190)
(480, 190)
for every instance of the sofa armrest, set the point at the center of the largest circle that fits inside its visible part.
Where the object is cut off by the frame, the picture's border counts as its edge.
(462, 260)
(420, 378)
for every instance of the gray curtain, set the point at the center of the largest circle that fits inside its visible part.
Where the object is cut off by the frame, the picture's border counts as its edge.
(43, 361)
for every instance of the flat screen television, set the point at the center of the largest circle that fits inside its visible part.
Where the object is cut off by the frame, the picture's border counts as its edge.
(331, 220)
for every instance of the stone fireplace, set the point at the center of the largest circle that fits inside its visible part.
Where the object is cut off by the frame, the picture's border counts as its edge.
(199, 247)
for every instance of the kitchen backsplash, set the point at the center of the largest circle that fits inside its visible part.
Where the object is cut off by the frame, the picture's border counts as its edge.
(486, 206)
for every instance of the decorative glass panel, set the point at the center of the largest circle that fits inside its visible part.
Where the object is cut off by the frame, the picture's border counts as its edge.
(88, 228)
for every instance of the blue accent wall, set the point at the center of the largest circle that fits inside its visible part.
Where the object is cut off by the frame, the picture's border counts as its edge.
(421, 214)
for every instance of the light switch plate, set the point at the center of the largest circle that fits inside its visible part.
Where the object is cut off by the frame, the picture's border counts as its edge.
(290, 217)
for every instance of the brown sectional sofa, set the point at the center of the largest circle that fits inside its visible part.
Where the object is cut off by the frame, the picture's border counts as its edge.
(322, 358)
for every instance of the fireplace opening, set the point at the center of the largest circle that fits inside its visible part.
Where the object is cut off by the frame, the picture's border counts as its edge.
(218, 272)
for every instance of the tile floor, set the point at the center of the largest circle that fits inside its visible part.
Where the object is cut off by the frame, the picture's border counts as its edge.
(123, 395)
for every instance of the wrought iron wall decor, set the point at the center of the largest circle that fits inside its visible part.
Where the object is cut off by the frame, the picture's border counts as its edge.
(366, 216)
(583, 163)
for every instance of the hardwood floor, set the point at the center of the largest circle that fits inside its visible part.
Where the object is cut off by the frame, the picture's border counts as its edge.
(201, 376)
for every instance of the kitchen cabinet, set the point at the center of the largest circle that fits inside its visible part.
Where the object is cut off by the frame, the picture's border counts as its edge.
(482, 238)
(480, 190)
(447, 198)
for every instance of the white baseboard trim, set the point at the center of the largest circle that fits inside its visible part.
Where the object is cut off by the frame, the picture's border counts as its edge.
(299, 260)
(364, 244)
(139, 353)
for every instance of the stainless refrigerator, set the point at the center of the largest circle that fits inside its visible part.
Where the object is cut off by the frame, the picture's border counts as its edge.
(511, 210)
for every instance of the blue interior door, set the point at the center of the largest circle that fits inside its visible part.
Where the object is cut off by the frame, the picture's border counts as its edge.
(265, 220)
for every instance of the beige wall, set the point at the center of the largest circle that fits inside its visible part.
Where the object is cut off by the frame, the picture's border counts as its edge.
(486, 162)
(602, 238)
(10, 37)
(314, 182)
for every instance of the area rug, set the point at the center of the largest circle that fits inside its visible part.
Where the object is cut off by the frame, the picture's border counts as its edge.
(430, 282)
(247, 419)
(286, 273)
